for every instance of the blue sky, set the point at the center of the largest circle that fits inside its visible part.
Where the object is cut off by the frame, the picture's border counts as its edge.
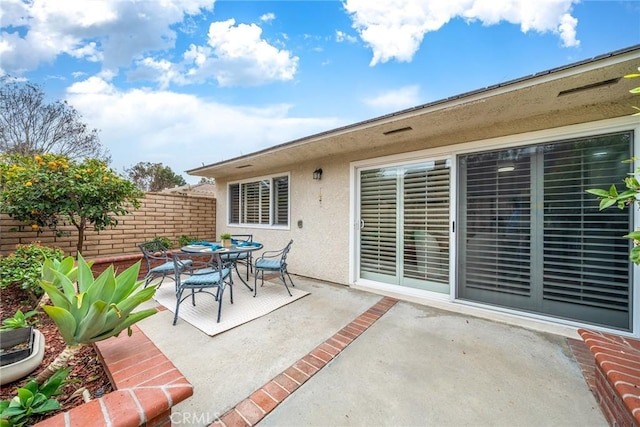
(193, 82)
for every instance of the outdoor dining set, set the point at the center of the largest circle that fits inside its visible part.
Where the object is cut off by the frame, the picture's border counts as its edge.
(208, 267)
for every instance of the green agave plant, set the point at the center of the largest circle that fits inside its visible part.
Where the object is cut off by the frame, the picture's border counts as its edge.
(98, 309)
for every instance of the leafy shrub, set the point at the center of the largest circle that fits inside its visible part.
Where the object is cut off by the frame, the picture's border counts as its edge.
(24, 267)
(165, 242)
(32, 399)
(184, 240)
(19, 320)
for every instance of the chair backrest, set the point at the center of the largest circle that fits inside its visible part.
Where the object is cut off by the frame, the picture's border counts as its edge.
(285, 252)
(154, 251)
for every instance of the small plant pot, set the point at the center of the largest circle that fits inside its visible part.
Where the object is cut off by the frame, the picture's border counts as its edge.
(22, 353)
(226, 243)
(15, 345)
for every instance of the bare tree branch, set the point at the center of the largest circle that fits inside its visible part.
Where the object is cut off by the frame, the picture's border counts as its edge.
(29, 126)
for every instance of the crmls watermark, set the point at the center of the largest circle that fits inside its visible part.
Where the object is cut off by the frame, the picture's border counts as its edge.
(193, 418)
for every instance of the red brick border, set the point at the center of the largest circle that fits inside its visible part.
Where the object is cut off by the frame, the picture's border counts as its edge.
(617, 376)
(264, 400)
(147, 386)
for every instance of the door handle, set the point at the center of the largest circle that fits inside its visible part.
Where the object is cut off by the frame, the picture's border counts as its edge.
(361, 224)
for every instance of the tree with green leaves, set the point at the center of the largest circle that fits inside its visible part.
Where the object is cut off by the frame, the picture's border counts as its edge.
(46, 190)
(154, 176)
(29, 125)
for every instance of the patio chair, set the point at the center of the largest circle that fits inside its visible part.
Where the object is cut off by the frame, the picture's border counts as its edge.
(200, 273)
(159, 262)
(245, 258)
(273, 261)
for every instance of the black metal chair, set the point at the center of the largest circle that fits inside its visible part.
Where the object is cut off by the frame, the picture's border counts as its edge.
(200, 273)
(158, 260)
(273, 261)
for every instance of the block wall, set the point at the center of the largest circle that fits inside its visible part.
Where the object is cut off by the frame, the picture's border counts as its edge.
(163, 215)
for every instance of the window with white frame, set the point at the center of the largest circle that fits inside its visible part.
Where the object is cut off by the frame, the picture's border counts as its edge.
(260, 202)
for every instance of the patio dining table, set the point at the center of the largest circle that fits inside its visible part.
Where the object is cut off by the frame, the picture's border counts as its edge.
(226, 253)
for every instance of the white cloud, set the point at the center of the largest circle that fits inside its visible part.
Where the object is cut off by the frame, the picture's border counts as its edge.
(235, 55)
(242, 57)
(100, 30)
(182, 131)
(394, 29)
(268, 17)
(397, 99)
(344, 37)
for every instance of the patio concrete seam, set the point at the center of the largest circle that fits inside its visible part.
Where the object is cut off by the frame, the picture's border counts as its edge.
(355, 328)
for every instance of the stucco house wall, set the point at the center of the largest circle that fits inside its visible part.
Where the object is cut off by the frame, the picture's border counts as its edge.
(321, 243)
(580, 100)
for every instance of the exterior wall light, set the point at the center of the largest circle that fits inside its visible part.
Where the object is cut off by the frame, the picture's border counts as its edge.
(317, 174)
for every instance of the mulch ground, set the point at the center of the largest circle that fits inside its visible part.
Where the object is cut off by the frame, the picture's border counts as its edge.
(87, 371)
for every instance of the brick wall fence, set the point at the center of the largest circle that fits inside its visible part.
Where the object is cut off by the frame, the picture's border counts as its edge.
(163, 215)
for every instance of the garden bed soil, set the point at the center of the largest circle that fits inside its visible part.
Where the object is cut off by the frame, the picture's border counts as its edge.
(87, 371)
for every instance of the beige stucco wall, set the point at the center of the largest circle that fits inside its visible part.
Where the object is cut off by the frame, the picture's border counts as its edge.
(323, 208)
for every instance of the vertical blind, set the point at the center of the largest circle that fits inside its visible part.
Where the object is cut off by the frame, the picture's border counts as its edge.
(498, 221)
(585, 259)
(405, 223)
(281, 200)
(378, 203)
(531, 237)
(426, 221)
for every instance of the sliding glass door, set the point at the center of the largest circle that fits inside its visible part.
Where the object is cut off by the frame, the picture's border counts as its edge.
(404, 224)
(532, 239)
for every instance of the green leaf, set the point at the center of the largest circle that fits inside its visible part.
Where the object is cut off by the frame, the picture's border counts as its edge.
(67, 267)
(133, 318)
(65, 283)
(598, 192)
(634, 255)
(25, 397)
(635, 235)
(135, 300)
(93, 323)
(32, 386)
(65, 322)
(85, 275)
(38, 399)
(12, 411)
(52, 385)
(605, 203)
(47, 406)
(102, 288)
(126, 283)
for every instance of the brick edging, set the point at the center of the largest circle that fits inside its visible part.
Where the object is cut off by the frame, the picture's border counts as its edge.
(264, 400)
(147, 386)
(617, 375)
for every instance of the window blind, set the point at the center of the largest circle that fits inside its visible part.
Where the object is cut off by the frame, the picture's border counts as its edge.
(378, 194)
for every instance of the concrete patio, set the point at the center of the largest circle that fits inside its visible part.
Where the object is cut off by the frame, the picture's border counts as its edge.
(415, 365)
